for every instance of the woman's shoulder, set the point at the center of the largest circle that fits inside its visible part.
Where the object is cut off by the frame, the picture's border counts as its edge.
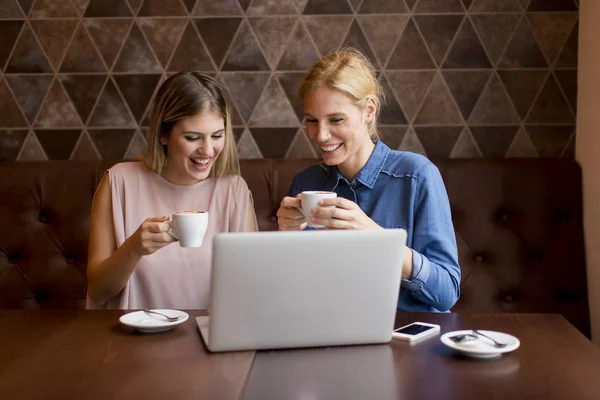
(406, 163)
(126, 168)
(313, 173)
(232, 180)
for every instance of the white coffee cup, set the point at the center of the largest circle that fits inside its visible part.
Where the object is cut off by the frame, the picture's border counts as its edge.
(310, 200)
(189, 227)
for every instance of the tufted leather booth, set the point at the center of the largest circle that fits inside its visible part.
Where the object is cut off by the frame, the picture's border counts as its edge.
(518, 224)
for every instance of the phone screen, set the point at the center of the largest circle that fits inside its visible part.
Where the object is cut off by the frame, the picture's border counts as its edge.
(413, 329)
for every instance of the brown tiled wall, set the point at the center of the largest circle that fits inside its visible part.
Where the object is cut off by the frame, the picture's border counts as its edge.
(464, 78)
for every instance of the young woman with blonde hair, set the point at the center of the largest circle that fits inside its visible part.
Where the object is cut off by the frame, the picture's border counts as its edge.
(377, 187)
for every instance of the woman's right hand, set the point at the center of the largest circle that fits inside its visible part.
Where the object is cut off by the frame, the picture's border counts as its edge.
(151, 236)
(289, 216)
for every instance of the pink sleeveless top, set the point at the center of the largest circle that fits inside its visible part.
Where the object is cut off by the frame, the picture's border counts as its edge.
(172, 277)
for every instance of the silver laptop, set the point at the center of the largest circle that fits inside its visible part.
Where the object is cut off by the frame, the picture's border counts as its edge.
(303, 289)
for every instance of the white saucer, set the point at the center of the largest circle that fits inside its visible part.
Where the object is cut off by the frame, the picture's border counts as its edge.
(481, 347)
(153, 323)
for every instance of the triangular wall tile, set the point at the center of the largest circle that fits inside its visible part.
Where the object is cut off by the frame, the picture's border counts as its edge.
(495, 31)
(300, 4)
(552, 5)
(53, 9)
(80, 6)
(191, 43)
(327, 31)
(466, 87)
(247, 147)
(550, 141)
(299, 54)
(82, 55)
(521, 146)
(438, 141)
(107, 8)
(217, 34)
(391, 113)
(522, 87)
(382, 32)
(135, 5)
(327, 7)
(438, 32)
(245, 90)
(568, 82)
(29, 91)
(494, 141)
(494, 106)
(570, 149)
(9, 31)
(438, 6)
(136, 55)
(111, 111)
(162, 8)
(355, 4)
(137, 147)
(57, 110)
(392, 136)
(524, 3)
(10, 114)
(523, 50)
(569, 54)
(490, 6)
(465, 146)
(551, 31)
(290, 82)
(237, 133)
(112, 144)
(189, 4)
(245, 53)
(26, 6)
(85, 149)
(273, 35)
(273, 108)
(83, 91)
(301, 147)
(411, 3)
(410, 88)
(28, 56)
(269, 7)
(108, 35)
(412, 143)
(10, 10)
(356, 39)
(467, 51)
(438, 107)
(383, 7)
(551, 106)
(58, 144)
(211, 8)
(32, 150)
(410, 52)
(11, 141)
(137, 91)
(274, 142)
(54, 36)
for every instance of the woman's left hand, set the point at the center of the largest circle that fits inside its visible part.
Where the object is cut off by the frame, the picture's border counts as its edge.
(344, 214)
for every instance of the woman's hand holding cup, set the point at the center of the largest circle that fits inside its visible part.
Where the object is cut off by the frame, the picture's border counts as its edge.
(152, 235)
(289, 216)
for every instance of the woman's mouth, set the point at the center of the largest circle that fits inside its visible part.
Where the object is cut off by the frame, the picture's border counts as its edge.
(200, 163)
(328, 149)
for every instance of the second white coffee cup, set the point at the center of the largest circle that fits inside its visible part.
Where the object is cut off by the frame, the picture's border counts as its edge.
(310, 200)
(189, 227)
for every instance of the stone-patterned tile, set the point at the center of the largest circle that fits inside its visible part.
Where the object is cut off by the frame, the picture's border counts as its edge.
(80, 6)
(525, 3)
(300, 4)
(135, 5)
(9, 31)
(26, 5)
(189, 4)
(382, 32)
(391, 113)
(383, 7)
(136, 55)
(107, 9)
(290, 82)
(273, 34)
(83, 90)
(495, 31)
(392, 136)
(10, 114)
(138, 147)
(54, 36)
(327, 7)
(523, 86)
(523, 50)
(137, 91)
(494, 106)
(217, 34)
(247, 147)
(410, 52)
(356, 39)
(550, 106)
(552, 5)
(491, 6)
(272, 7)
(85, 149)
(245, 53)
(551, 31)
(411, 3)
(465, 146)
(29, 90)
(438, 6)
(28, 56)
(301, 147)
(568, 82)
(438, 141)
(274, 142)
(300, 53)
(549, 140)
(11, 141)
(112, 144)
(327, 31)
(161, 8)
(570, 149)
(245, 90)
(108, 35)
(521, 146)
(211, 8)
(58, 144)
(53, 9)
(237, 133)
(466, 87)
(438, 107)
(438, 32)
(410, 88)
(111, 110)
(32, 150)
(494, 141)
(412, 143)
(10, 10)
(82, 55)
(57, 110)
(568, 56)
(273, 109)
(467, 51)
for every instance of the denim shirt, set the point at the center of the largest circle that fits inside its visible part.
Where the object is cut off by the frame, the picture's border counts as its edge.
(398, 189)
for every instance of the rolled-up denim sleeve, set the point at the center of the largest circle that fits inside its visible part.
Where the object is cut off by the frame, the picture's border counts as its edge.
(436, 274)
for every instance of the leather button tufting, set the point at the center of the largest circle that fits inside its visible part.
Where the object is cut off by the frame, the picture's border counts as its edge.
(509, 298)
(563, 216)
(14, 258)
(71, 260)
(43, 218)
(478, 258)
(504, 217)
(273, 218)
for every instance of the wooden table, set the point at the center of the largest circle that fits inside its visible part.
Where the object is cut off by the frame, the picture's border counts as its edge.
(88, 354)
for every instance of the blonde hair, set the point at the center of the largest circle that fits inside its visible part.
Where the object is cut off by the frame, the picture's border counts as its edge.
(350, 72)
(185, 95)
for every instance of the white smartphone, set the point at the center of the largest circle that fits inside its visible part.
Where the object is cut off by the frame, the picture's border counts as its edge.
(415, 331)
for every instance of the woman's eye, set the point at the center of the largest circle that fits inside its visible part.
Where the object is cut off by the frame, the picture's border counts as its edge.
(218, 136)
(311, 121)
(192, 138)
(337, 120)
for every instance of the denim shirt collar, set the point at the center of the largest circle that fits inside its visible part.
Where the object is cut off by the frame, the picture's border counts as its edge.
(368, 174)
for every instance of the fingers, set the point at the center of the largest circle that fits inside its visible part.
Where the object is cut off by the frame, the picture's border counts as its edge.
(290, 202)
(339, 202)
(156, 224)
(331, 223)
